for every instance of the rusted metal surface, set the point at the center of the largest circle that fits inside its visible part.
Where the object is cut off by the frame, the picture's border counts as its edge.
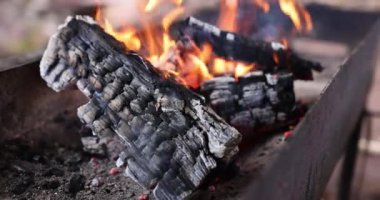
(349, 162)
(304, 165)
(16, 61)
(30, 109)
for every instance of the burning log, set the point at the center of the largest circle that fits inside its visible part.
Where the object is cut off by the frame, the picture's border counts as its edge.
(254, 99)
(272, 57)
(172, 139)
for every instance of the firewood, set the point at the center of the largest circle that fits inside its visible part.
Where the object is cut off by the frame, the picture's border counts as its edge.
(254, 100)
(93, 145)
(271, 56)
(173, 141)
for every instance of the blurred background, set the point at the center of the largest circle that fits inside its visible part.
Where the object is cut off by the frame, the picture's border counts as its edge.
(26, 25)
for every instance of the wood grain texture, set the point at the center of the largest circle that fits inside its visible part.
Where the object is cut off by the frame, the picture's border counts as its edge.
(172, 140)
(270, 56)
(255, 99)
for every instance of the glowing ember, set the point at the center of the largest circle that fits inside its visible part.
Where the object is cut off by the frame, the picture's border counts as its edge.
(276, 59)
(193, 65)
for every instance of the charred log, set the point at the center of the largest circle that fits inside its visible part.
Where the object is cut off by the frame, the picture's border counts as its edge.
(272, 57)
(93, 146)
(255, 100)
(172, 139)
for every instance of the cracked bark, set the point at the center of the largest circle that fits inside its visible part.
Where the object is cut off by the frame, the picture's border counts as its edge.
(172, 139)
(272, 57)
(255, 99)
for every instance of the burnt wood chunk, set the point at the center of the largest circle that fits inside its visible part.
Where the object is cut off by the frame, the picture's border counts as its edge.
(93, 145)
(172, 139)
(270, 56)
(254, 99)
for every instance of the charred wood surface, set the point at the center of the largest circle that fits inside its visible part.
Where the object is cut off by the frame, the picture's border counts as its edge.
(255, 100)
(172, 140)
(271, 56)
(94, 146)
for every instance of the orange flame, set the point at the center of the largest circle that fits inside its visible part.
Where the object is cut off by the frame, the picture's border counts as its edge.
(296, 12)
(299, 16)
(192, 65)
(127, 35)
(263, 4)
(242, 69)
(228, 15)
(178, 2)
(285, 42)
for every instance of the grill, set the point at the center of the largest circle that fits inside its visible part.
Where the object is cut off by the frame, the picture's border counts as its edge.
(294, 167)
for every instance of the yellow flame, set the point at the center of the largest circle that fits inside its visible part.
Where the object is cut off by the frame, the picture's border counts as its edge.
(194, 65)
(299, 16)
(242, 69)
(171, 16)
(201, 66)
(127, 35)
(206, 53)
(151, 5)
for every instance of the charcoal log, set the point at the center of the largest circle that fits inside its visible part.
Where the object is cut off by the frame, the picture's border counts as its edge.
(94, 146)
(172, 140)
(271, 56)
(254, 100)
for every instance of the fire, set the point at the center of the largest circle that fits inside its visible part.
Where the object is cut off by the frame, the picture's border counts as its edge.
(296, 12)
(127, 35)
(299, 16)
(178, 2)
(242, 69)
(189, 64)
(263, 4)
(151, 5)
(228, 15)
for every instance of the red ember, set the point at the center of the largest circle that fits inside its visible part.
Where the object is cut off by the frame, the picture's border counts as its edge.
(287, 134)
(113, 171)
(143, 197)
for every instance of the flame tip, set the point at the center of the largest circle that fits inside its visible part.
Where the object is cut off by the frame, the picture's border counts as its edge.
(191, 65)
